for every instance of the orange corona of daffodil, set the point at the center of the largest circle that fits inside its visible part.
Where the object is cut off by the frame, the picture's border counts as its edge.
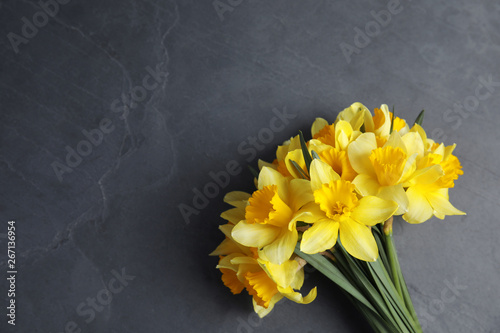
(338, 210)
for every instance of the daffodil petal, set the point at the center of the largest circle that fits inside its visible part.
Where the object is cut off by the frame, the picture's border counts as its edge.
(281, 249)
(295, 143)
(317, 146)
(396, 141)
(233, 215)
(298, 298)
(255, 234)
(262, 164)
(441, 204)
(419, 129)
(321, 173)
(318, 125)
(413, 143)
(395, 193)
(372, 210)
(226, 229)
(262, 311)
(343, 130)
(385, 127)
(419, 208)
(303, 216)
(440, 150)
(358, 240)
(237, 199)
(359, 152)
(226, 262)
(298, 279)
(244, 260)
(311, 296)
(342, 140)
(300, 193)
(427, 175)
(282, 150)
(366, 185)
(356, 115)
(448, 150)
(320, 237)
(409, 168)
(283, 274)
(298, 157)
(227, 246)
(311, 213)
(268, 176)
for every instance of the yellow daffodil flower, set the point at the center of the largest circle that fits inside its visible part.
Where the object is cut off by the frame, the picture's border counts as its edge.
(382, 121)
(282, 163)
(338, 210)
(267, 283)
(399, 125)
(337, 135)
(383, 170)
(331, 143)
(362, 170)
(271, 215)
(282, 157)
(428, 188)
(357, 115)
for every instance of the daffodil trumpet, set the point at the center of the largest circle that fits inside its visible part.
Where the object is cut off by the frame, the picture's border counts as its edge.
(331, 202)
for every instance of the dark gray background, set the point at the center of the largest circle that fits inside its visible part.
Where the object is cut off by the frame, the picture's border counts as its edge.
(119, 207)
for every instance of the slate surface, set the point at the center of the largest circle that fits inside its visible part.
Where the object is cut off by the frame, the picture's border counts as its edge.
(200, 83)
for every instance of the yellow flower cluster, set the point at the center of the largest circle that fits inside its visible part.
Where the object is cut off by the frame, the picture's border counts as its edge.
(365, 168)
(242, 268)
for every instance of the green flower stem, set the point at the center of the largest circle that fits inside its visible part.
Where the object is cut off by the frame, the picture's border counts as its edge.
(393, 262)
(377, 289)
(333, 273)
(399, 280)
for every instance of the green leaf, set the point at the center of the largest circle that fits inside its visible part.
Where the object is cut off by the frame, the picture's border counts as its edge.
(330, 271)
(305, 151)
(394, 302)
(315, 155)
(378, 324)
(407, 299)
(392, 120)
(382, 249)
(395, 269)
(389, 240)
(299, 169)
(372, 292)
(254, 172)
(420, 118)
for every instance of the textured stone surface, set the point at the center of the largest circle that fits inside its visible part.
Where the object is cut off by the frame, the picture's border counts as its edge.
(117, 210)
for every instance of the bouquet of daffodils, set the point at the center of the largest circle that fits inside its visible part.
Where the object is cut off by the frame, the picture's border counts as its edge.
(329, 202)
